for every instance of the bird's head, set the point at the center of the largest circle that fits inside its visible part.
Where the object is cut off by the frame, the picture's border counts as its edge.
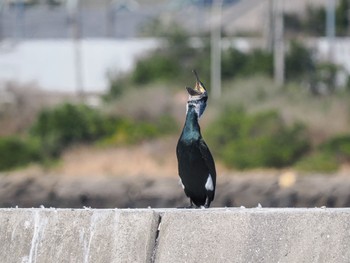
(198, 96)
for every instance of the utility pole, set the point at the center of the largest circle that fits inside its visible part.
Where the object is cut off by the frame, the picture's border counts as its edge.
(269, 36)
(215, 63)
(348, 17)
(20, 9)
(110, 15)
(330, 27)
(73, 6)
(279, 56)
(1, 10)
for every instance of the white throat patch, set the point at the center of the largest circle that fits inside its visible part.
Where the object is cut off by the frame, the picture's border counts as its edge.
(199, 106)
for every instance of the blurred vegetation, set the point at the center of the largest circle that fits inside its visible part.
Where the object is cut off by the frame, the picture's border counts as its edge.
(312, 23)
(170, 62)
(338, 146)
(237, 64)
(321, 118)
(299, 62)
(328, 155)
(256, 140)
(318, 162)
(270, 127)
(157, 67)
(180, 53)
(128, 131)
(68, 124)
(176, 56)
(16, 152)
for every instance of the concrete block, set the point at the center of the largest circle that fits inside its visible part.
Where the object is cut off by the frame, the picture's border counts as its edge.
(175, 235)
(66, 235)
(254, 235)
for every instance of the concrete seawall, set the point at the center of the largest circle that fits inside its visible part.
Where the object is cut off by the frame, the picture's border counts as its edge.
(175, 235)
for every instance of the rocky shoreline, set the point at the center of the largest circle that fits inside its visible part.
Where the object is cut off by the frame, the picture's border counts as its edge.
(286, 190)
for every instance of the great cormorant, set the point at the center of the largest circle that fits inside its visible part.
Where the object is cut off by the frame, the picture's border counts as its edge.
(195, 163)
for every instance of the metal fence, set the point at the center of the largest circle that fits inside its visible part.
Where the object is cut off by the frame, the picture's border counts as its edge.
(27, 21)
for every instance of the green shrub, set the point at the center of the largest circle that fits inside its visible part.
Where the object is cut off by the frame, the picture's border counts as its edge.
(128, 131)
(167, 63)
(299, 62)
(117, 87)
(68, 124)
(15, 151)
(327, 156)
(338, 146)
(313, 21)
(318, 162)
(292, 23)
(236, 63)
(258, 62)
(342, 18)
(158, 66)
(325, 77)
(260, 140)
(233, 61)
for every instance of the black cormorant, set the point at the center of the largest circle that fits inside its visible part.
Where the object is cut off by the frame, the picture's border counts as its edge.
(195, 162)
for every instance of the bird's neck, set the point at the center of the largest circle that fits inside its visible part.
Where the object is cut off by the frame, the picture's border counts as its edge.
(191, 129)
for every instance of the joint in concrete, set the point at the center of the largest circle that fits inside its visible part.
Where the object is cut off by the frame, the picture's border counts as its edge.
(156, 239)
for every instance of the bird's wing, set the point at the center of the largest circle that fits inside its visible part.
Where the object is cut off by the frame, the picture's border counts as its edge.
(208, 159)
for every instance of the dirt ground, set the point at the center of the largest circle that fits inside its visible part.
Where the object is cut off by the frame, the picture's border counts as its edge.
(145, 175)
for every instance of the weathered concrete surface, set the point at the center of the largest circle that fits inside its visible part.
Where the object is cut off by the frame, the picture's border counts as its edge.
(175, 235)
(255, 235)
(65, 235)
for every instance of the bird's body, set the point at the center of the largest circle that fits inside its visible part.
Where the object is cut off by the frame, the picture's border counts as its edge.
(195, 163)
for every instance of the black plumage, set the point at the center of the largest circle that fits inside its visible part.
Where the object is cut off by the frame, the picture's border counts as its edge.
(195, 163)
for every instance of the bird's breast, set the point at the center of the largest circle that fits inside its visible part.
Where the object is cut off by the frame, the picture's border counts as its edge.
(189, 154)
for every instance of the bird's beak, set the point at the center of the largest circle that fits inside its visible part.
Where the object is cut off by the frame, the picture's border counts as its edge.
(199, 89)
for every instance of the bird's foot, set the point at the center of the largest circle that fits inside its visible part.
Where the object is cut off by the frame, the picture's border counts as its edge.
(207, 203)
